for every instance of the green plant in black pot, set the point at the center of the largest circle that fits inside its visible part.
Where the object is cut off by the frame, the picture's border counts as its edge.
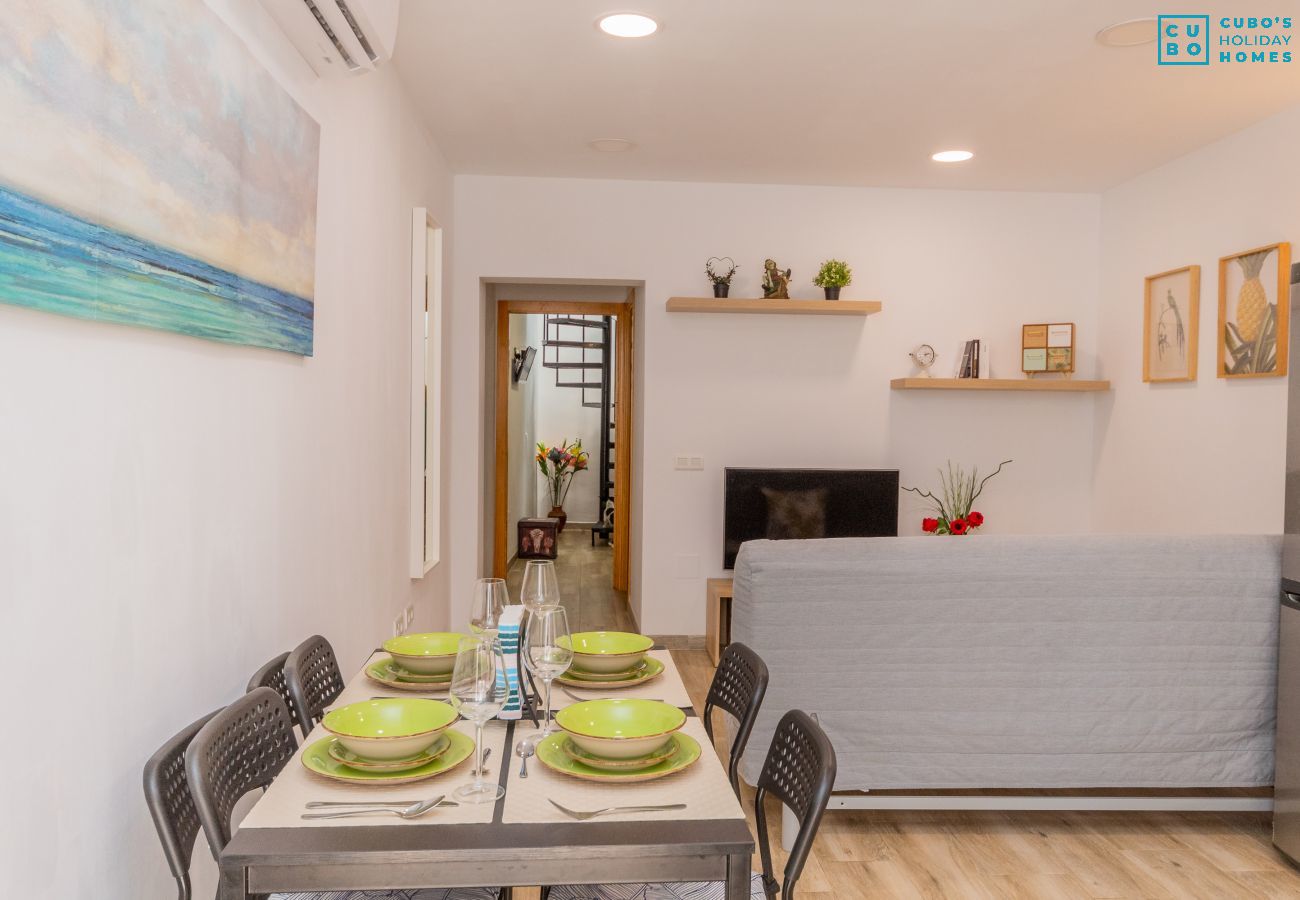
(833, 275)
(720, 270)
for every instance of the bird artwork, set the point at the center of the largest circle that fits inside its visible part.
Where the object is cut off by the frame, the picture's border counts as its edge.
(776, 283)
(1171, 317)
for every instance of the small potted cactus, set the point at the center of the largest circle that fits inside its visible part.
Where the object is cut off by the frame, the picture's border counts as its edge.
(720, 270)
(833, 275)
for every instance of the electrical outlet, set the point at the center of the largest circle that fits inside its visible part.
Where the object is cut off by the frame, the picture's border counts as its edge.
(688, 463)
(410, 616)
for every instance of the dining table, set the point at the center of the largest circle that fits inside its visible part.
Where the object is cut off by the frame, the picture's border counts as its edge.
(521, 839)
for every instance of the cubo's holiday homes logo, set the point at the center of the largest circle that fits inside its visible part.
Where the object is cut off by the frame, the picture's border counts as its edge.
(1197, 40)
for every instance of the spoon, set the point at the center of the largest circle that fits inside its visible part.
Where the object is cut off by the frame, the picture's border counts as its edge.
(523, 750)
(409, 812)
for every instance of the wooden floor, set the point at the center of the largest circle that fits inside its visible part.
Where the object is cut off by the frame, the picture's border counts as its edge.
(994, 855)
(585, 574)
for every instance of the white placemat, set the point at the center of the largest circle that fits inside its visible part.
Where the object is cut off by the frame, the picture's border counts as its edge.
(668, 687)
(703, 787)
(285, 801)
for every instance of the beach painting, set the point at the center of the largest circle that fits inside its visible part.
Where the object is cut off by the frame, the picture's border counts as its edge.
(153, 173)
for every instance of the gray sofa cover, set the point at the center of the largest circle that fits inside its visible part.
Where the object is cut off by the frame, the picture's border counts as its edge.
(995, 661)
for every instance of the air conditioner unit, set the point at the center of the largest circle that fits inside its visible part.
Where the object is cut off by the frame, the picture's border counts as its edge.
(339, 36)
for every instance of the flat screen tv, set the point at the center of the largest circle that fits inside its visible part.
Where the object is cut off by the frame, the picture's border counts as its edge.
(791, 504)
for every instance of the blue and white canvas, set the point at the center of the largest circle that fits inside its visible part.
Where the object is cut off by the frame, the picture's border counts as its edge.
(153, 173)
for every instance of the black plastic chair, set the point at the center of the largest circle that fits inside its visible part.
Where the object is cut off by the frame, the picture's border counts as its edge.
(800, 772)
(272, 675)
(738, 687)
(241, 749)
(167, 794)
(314, 680)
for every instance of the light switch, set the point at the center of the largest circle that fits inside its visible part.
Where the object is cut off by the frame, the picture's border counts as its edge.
(688, 463)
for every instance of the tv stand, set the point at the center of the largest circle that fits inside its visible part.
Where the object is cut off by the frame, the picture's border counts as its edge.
(717, 617)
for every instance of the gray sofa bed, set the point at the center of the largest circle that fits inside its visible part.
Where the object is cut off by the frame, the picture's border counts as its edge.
(991, 661)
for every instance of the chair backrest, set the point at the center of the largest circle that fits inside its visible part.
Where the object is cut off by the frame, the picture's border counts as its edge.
(240, 749)
(272, 675)
(167, 794)
(800, 772)
(738, 687)
(312, 673)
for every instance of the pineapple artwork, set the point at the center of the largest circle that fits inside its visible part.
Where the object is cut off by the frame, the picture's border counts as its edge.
(1253, 323)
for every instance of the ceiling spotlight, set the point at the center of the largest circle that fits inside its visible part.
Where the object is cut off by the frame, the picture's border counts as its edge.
(952, 156)
(1132, 33)
(611, 145)
(629, 25)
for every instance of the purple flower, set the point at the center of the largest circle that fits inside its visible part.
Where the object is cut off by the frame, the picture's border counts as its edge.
(555, 455)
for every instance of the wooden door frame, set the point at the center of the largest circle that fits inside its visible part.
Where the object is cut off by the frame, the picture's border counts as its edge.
(625, 334)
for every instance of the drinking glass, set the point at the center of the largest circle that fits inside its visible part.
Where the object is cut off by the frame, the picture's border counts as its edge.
(478, 692)
(540, 590)
(549, 650)
(490, 598)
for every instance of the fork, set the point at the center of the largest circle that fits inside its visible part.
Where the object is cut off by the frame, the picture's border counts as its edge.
(572, 696)
(584, 815)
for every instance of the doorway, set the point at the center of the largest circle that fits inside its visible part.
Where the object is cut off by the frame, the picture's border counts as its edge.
(582, 358)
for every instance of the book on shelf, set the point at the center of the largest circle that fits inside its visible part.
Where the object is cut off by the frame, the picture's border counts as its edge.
(974, 360)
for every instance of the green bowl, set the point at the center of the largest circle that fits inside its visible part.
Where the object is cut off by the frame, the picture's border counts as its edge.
(608, 652)
(620, 729)
(390, 729)
(433, 653)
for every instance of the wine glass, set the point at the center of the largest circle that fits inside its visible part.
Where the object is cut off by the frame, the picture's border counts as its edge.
(490, 598)
(478, 692)
(539, 590)
(549, 650)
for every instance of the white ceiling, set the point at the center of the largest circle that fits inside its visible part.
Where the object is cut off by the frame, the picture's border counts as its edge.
(843, 92)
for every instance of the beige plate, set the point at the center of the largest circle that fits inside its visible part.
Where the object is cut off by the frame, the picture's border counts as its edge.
(317, 759)
(352, 761)
(576, 753)
(550, 752)
(653, 669)
(382, 671)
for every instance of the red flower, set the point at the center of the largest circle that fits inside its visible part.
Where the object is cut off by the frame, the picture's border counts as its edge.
(929, 526)
(975, 519)
(957, 526)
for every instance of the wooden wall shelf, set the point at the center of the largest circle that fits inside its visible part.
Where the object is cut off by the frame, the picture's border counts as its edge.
(773, 307)
(998, 384)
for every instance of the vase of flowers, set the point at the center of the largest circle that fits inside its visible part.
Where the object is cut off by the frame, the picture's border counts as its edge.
(720, 270)
(558, 465)
(833, 275)
(954, 511)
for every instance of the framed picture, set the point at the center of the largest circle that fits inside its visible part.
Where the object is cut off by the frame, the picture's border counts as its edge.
(1254, 312)
(1047, 348)
(1170, 325)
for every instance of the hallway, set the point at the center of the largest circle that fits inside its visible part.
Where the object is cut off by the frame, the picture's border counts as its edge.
(585, 574)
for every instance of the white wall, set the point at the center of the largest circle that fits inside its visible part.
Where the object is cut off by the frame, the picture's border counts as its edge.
(1207, 456)
(173, 512)
(561, 416)
(525, 331)
(798, 391)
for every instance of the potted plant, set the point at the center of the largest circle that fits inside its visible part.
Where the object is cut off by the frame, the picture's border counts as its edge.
(833, 275)
(952, 512)
(720, 274)
(558, 465)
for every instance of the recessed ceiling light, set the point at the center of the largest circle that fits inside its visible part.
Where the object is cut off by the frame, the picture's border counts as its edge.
(952, 156)
(1132, 33)
(630, 25)
(611, 145)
